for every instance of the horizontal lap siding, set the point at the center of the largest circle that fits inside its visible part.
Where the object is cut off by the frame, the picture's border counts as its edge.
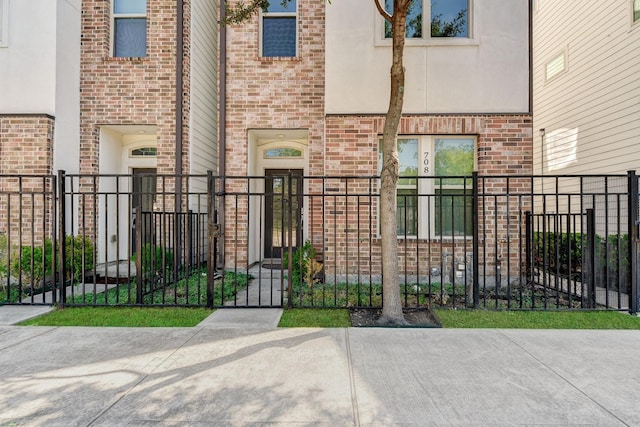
(598, 93)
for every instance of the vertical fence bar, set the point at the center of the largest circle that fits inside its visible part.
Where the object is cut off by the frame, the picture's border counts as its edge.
(528, 254)
(61, 236)
(590, 259)
(634, 239)
(210, 238)
(139, 272)
(476, 243)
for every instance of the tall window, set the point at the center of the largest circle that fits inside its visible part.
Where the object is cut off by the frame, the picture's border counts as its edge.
(129, 28)
(279, 30)
(4, 22)
(636, 10)
(448, 18)
(434, 198)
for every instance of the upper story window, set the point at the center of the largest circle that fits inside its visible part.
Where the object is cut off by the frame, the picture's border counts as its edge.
(129, 27)
(4, 22)
(280, 30)
(636, 10)
(448, 18)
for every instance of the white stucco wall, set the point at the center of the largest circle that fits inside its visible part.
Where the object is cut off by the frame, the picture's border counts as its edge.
(28, 61)
(487, 73)
(66, 152)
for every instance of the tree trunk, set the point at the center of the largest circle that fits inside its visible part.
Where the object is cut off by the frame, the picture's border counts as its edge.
(391, 301)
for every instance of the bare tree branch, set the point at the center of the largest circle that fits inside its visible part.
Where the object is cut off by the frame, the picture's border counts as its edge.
(381, 10)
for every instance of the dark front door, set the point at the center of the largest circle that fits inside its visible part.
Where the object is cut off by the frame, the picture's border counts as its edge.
(144, 195)
(283, 210)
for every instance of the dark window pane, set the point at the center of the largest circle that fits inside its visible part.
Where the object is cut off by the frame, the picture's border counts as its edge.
(130, 6)
(130, 37)
(449, 18)
(278, 36)
(453, 210)
(414, 19)
(277, 7)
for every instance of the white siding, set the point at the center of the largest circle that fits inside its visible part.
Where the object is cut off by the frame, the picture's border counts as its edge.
(28, 61)
(487, 74)
(204, 92)
(597, 98)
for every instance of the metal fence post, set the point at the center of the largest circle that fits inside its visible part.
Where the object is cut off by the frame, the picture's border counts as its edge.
(634, 239)
(290, 238)
(62, 250)
(139, 273)
(211, 255)
(590, 261)
(476, 242)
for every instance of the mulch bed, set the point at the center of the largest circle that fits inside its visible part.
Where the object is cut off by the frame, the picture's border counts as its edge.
(416, 317)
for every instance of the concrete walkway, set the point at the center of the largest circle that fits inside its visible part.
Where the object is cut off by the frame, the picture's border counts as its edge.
(220, 374)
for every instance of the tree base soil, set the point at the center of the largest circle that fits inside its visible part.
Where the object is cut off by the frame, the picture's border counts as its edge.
(416, 318)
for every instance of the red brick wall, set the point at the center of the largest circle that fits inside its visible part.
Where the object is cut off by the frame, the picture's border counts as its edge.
(26, 148)
(504, 147)
(132, 91)
(272, 93)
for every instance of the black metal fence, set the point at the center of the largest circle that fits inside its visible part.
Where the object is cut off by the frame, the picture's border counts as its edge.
(500, 242)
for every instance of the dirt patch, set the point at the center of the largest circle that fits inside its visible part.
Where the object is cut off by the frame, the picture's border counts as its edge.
(416, 317)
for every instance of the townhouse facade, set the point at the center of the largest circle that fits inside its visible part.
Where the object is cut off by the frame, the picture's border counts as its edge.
(307, 91)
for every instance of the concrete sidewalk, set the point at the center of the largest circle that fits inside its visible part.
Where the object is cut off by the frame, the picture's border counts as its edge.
(347, 377)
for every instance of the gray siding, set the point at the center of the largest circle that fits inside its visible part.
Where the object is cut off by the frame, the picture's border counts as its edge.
(204, 89)
(591, 111)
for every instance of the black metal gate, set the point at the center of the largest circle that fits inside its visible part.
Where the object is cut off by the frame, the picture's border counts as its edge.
(512, 242)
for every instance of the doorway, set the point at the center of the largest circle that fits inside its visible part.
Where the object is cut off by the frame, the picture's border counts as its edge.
(143, 198)
(283, 188)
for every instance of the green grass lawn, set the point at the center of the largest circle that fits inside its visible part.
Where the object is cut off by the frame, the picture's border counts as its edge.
(327, 318)
(337, 318)
(314, 318)
(537, 319)
(121, 316)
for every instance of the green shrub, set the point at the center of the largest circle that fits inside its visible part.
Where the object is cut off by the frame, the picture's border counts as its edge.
(156, 260)
(303, 265)
(78, 252)
(35, 262)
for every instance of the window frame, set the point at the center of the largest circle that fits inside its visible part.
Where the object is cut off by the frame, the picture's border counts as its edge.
(426, 39)
(266, 15)
(426, 190)
(635, 9)
(115, 16)
(4, 23)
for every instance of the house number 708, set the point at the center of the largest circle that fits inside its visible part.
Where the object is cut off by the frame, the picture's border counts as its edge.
(425, 162)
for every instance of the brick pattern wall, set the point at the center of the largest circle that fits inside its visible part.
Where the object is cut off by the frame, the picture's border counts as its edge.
(504, 147)
(272, 93)
(26, 148)
(132, 91)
